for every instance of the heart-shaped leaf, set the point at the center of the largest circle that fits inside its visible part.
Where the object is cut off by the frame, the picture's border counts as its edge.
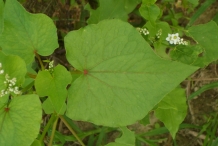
(20, 121)
(24, 33)
(120, 74)
(53, 85)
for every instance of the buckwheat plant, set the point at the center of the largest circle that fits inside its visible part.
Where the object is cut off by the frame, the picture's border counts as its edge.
(118, 76)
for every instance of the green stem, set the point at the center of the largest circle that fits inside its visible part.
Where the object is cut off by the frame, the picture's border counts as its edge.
(28, 87)
(53, 132)
(71, 130)
(52, 118)
(40, 61)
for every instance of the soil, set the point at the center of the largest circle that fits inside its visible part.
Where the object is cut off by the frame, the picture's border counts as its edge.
(68, 18)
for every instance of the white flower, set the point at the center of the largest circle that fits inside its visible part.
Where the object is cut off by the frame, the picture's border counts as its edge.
(51, 64)
(182, 42)
(173, 38)
(10, 86)
(1, 72)
(143, 31)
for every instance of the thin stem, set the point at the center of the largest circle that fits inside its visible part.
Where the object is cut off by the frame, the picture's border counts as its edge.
(71, 130)
(28, 87)
(53, 132)
(40, 61)
(53, 116)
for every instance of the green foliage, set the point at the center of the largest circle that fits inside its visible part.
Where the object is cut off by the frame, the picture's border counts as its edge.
(111, 9)
(109, 84)
(21, 123)
(24, 33)
(115, 78)
(172, 110)
(54, 86)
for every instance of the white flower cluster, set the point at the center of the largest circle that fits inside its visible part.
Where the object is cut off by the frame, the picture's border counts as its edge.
(51, 64)
(50, 67)
(175, 39)
(1, 70)
(159, 33)
(143, 31)
(10, 84)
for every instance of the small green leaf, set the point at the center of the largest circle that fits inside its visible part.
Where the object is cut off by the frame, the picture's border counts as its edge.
(206, 36)
(20, 121)
(127, 138)
(172, 110)
(54, 86)
(149, 11)
(186, 54)
(1, 15)
(111, 9)
(25, 34)
(120, 74)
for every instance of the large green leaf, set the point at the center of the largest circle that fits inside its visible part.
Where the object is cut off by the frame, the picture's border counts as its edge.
(122, 78)
(1, 15)
(172, 110)
(206, 36)
(14, 66)
(25, 34)
(127, 138)
(20, 121)
(53, 85)
(112, 9)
